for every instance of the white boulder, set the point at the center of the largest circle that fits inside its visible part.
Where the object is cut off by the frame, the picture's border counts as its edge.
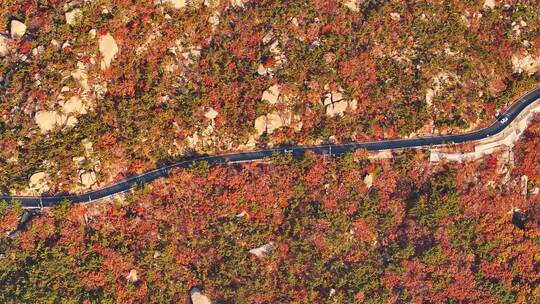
(88, 179)
(197, 297)
(74, 105)
(178, 4)
(47, 120)
(38, 183)
(210, 113)
(4, 50)
(262, 250)
(17, 29)
(108, 49)
(132, 276)
(337, 108)
(489, 4)
(352, 5)
(73, 16)
(527, 63)
(271, 94)
(368, 180)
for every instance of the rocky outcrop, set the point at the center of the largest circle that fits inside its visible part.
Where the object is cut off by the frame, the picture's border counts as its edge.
(526, 63)
(336, 105)
(108, 49)
(88, 179)
(48, 120)
(271, 95)
(38, 183)
(73, 16)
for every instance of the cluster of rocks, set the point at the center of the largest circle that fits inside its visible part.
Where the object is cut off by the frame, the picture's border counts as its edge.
(17, 29)
(276, 119)
(527, 63)
(66, 116)
(337, 105)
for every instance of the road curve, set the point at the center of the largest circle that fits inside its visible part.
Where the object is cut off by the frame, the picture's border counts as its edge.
(125, 185)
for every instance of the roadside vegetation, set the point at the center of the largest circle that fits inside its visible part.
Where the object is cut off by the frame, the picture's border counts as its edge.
(410, 67)
(339, 230)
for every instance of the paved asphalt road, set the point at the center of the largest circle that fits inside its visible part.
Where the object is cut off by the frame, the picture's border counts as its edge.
(127, 184)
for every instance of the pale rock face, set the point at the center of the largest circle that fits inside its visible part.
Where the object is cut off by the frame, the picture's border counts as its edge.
(214, 19)
(197, 297)
(3, 46)
(87, 144)
(81, 76)
(275, 121)
(38, 183)
(352, 5)
(395, 16)
(489, 4)
(132, 276)
(337, 108)
(336, 105)
(108, 49)
(436, 87)
(211, 113)
(238, 3)
(71, 121)
(368, 180)
(262, 250)
(178, 4)
(271, 94)
(260, 124)
(47, 120)
(17, 29)
(92, 33)
(527, 63)
(79, 160)
(73, 16)
(88, 179)
(74, 105)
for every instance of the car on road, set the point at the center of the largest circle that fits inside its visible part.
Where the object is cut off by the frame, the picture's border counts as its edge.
(503, 119)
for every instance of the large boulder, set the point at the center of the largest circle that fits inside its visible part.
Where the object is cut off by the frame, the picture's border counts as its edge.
(198, 297)
(262, 250)
(108, 49)
(178, 4)
(489, 4)
(271, 95)
(526, 63)
(17, 29)
(74, 105)
(88, 179)
(48, 120)
(38, 183)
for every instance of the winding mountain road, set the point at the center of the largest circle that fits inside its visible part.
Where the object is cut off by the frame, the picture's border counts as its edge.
(338, 149)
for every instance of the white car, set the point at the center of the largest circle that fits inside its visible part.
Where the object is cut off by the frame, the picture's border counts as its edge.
(503, 120)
